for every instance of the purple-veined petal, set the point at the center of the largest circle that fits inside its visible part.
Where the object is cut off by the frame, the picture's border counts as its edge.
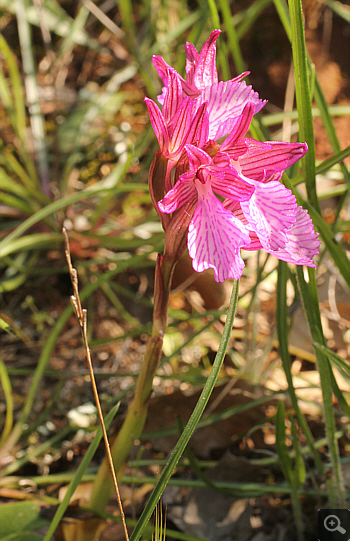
(180, 126)
(205, 72)
(173, 96)
(240, 127)
(191, 59)
(162, 67)
(232, 186)
(197, 157)
(215, 237)
(158, 124)
(270, 157)
(271, 213)
(221, 159)
(255, 243)
(302, 242)
(183, 191)
(199, 129)
(226, 101)
(239, 77)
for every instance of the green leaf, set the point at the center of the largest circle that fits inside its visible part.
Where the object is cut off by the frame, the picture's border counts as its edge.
(7, 389)
(281, 447)
(17, 518)
(299, 466)
(303, 99)
(282, 334)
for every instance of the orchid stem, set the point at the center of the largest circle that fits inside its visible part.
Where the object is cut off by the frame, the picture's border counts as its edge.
(137, 412)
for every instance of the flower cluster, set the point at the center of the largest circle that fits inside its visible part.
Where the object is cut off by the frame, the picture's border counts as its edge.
(254, 209)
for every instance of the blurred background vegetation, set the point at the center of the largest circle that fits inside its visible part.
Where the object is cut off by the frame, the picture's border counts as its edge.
(76, 146)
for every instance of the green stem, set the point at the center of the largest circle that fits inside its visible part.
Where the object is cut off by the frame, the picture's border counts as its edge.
(311, 306)
(137, 412)
(193, 421)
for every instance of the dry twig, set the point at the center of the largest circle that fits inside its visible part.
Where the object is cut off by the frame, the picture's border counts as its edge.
(81, 315)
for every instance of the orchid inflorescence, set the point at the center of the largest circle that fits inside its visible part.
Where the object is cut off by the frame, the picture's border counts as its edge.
(255, 210)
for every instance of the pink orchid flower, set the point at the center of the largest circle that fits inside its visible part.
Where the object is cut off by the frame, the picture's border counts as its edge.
(258, 211)
(215, 235)
(225, 99)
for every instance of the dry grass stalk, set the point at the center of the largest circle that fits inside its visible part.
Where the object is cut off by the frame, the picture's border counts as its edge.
(81, 315)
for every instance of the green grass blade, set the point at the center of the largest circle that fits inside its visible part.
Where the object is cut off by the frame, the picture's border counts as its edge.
(326, 165)
(303, 99)
(284, 459)
(103, 186)
(333, 357)
(31, 242)
(340, 9)
(79, 474)
(282, 334)
(336, 251)
(329, 127)
(282, 11)
(222, 52)
(32, 93)
(16, 84)
(7, 389)
(311, 306)
(232, 36)
(194, 419)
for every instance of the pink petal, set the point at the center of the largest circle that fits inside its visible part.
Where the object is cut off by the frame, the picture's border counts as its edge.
(180, 126)
(173, 96)
(198, 133)
(239, 78)
(232, 186)
(215, 237)
(181, 193)
(271, 213)
(205, 72)
(162, 67)
(158, 124)
(302, 242)
(197, 157)
(226, 101)
(270, 157)
(191, 59)
(240, 127)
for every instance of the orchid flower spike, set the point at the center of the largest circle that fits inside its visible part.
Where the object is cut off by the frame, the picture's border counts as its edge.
(257, 211)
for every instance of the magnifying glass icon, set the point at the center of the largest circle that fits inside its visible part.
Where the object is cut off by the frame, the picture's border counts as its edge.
(332, 524)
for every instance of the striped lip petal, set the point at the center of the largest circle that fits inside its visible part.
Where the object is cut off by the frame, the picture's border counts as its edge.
(271, 213)
(226, 101)
(302, 242)
(270, 157)
(205, 72)
(215, 237)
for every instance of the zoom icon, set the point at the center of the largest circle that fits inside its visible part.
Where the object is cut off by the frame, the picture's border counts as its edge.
(333, 525)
